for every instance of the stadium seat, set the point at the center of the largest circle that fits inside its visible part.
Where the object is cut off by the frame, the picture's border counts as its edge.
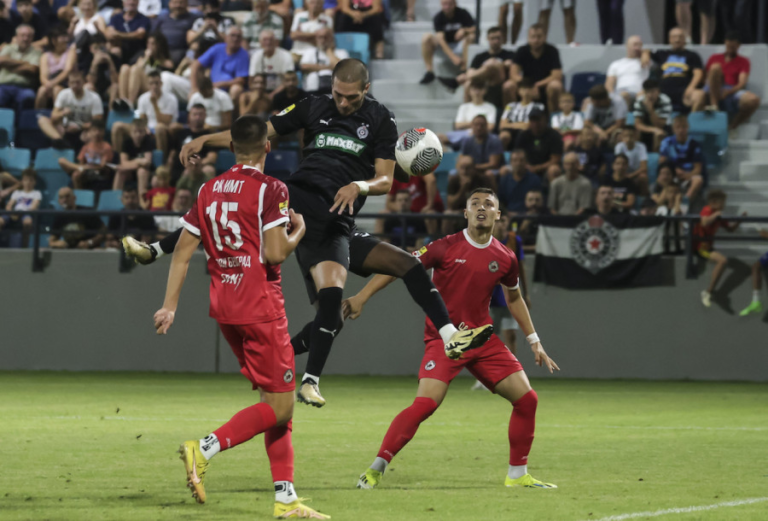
(449, 162)
(630, 117)
(85, 198)
(49, 182)
(8, 124)
(582, 82)
(224, 161)
(653, 168)
(157, 158)
(109, 200)
(298, 4)
(356, 44)
(282, 163)
(115, 116)
(14, 160)
(47, 159)
(711, 131)
(30, 135)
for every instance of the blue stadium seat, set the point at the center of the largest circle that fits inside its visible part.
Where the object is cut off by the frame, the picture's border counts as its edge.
(282, 162)
(8, 123)
(711, 131)
(30, 135)
(298, 4)
(109, 200)
(356, 44)
(49, 182)
(630, 118)
(85, 198)
(582, 82)
(442, 185)
(14, 160)
(224, 161)
(115, 116)
(47, 159)
(449, 162)
(157, 158)
(653, 168)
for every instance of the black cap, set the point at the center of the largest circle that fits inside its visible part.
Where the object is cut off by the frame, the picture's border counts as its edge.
(537, 114)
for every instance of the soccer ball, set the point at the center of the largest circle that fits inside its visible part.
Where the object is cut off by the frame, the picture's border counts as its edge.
(418, 151)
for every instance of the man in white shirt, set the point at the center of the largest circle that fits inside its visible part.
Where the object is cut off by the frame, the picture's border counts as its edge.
(317, 63)
(218, 105)
(467, 112)
(306, 24)
(626, 76)
(73, 111)
(159, 109)
(272, 61)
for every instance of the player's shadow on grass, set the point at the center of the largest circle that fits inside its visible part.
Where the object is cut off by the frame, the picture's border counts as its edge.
(736, 274)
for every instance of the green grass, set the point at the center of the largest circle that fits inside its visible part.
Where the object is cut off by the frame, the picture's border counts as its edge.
(612, 447)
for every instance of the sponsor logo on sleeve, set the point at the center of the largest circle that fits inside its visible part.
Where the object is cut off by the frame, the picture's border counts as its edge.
(420, 252)
(283, 207)
(286, 110)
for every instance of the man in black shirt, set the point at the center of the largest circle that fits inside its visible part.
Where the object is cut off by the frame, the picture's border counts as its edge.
(194, 128)
(349, 154)
(290, 94)
(26, 15)
(543, 146)
(605, 203)
(681, 73)
(137, 226)
(73, 229)
(494, 67)
(624, 193)
(454, 33)
(540, 62)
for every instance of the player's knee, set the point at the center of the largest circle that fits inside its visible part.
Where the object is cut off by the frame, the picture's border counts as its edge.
(329, 310)
(527, 403)
(424, 407)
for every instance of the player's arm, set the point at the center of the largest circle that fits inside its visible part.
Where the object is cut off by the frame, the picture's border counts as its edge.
(519, 311)
(379, 185)
(186, 246)
(279, 244)
(217, 140)
(353, 306)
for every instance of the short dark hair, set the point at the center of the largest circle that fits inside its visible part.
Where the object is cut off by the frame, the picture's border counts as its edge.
(480, 116)
(21, 2)
(351, 70)
(715, 195)
(526, 83)
(535, 191)
(650, 84)
(621, 156)
(680, 117)
(629, 127)
(729, 35)
(212, 3)
(98, 124)
(517, 151)
(154, 74)
(598, 93)
(204, 83)
(130, 188)
(75, 72)
(665, 164)
(197, 106)
(537, 27)
(494, 29)
(97, 38)
(29, 172)
(477, 83)
(482, 190)
(249, 133)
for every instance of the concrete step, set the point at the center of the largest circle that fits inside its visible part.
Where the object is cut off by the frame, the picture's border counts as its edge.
(393, 90)
(736, 208)
(407, 70)
(432, 110)
(763, 128)
(745, 151)
(753, 171)
(748, 197)
(748, 131)
(435, 124)
(740, 186)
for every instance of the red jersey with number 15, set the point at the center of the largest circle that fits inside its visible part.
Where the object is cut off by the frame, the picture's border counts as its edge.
(466, 274)
(230, 216)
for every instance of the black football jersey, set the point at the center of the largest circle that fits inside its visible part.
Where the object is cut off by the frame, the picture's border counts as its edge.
(338, 149)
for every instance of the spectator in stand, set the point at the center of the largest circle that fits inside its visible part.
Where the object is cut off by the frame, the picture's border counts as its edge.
(196, 175)
(136, 158)
(272, 61)
(75, 109)
(284, 8)
(517, 20)
(218, 105)
(160, 197)
(606, 114)
(159, 109)
(529, 228)
(669, 202)
(25, 15)
(182, 203)
(665, 179)
(624, 193)
(363, 16)
(290, 94)
(494, 68)
(176, 25)
(570, 194)
(681, 72)
(19, 69)
(210, 29)
(91, 170)
(150, 8)
(24, 199)
(257, 101)
(568, 122)
(424, 197)
(317, 63)
(626, 75)
(202, 168)
(395, 232)
(611, 14)
(259, 20)
(761, 265)
(133, 78)
(227, 65)
(653, 112)
(727, 77)
(7, 25)
(706, 20)
(685, 153)
(515, 181)
(454, 33)
(467, 112)
(540, 62)
(102, 77)
(637, 155)
(515, 117)
(8, 183)
(87, 20)
(55, 66)
(738, 15)
(569, 18)
(140, 227)
(704, 236)
(127, 33)
(591, 159)
(484, 148)
(306, 24)
(543, 146)
(72, 229)
(604, 203)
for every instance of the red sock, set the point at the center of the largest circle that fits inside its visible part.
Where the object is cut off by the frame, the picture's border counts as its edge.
(404, 427)
(245, 425)
(521, 427)
(277, 440)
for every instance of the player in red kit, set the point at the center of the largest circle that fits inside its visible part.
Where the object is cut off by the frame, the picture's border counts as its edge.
(467, 267)
(247, 230)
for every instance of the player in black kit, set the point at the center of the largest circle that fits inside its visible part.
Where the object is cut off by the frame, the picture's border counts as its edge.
(349, 154)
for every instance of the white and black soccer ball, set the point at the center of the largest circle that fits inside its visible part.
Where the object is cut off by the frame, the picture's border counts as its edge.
(418, 151)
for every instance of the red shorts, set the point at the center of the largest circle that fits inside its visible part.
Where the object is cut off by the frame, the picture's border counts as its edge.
(490, 364)
(265, 354)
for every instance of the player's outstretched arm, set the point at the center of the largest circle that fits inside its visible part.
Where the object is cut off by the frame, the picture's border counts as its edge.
(520, 313)
(381, 184)
(279, 244)
(191, 150)
(353, 306)
(186, 246)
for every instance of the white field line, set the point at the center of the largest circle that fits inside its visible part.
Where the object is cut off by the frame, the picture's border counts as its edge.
(683, 510)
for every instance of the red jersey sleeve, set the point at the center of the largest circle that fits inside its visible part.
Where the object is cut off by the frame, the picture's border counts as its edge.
(432, 255)
(191, 220)
(512, 278)
(274, 207)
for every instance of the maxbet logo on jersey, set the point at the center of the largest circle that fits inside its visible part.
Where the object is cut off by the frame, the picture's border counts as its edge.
(343, 143)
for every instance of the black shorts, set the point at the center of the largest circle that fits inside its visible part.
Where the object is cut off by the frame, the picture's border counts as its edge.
(329, 237)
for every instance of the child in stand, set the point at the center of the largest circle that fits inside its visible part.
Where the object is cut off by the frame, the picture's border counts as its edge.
(637, 155)
(91, 170)
(24, 199)
(567, 122)
(516, 114)
(160, 197)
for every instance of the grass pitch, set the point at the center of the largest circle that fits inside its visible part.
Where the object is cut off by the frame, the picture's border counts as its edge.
(102, 446)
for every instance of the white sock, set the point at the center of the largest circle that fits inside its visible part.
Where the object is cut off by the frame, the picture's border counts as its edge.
(209, 446)
(756, 295)
(517, 471)
(158, 250)
(379, 465)
(284, 492)
(315, 379)
(446, 332)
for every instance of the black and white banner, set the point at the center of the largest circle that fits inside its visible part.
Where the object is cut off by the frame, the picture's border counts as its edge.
(599, 251)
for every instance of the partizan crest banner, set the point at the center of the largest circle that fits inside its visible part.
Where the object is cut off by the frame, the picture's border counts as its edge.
(599, 251)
